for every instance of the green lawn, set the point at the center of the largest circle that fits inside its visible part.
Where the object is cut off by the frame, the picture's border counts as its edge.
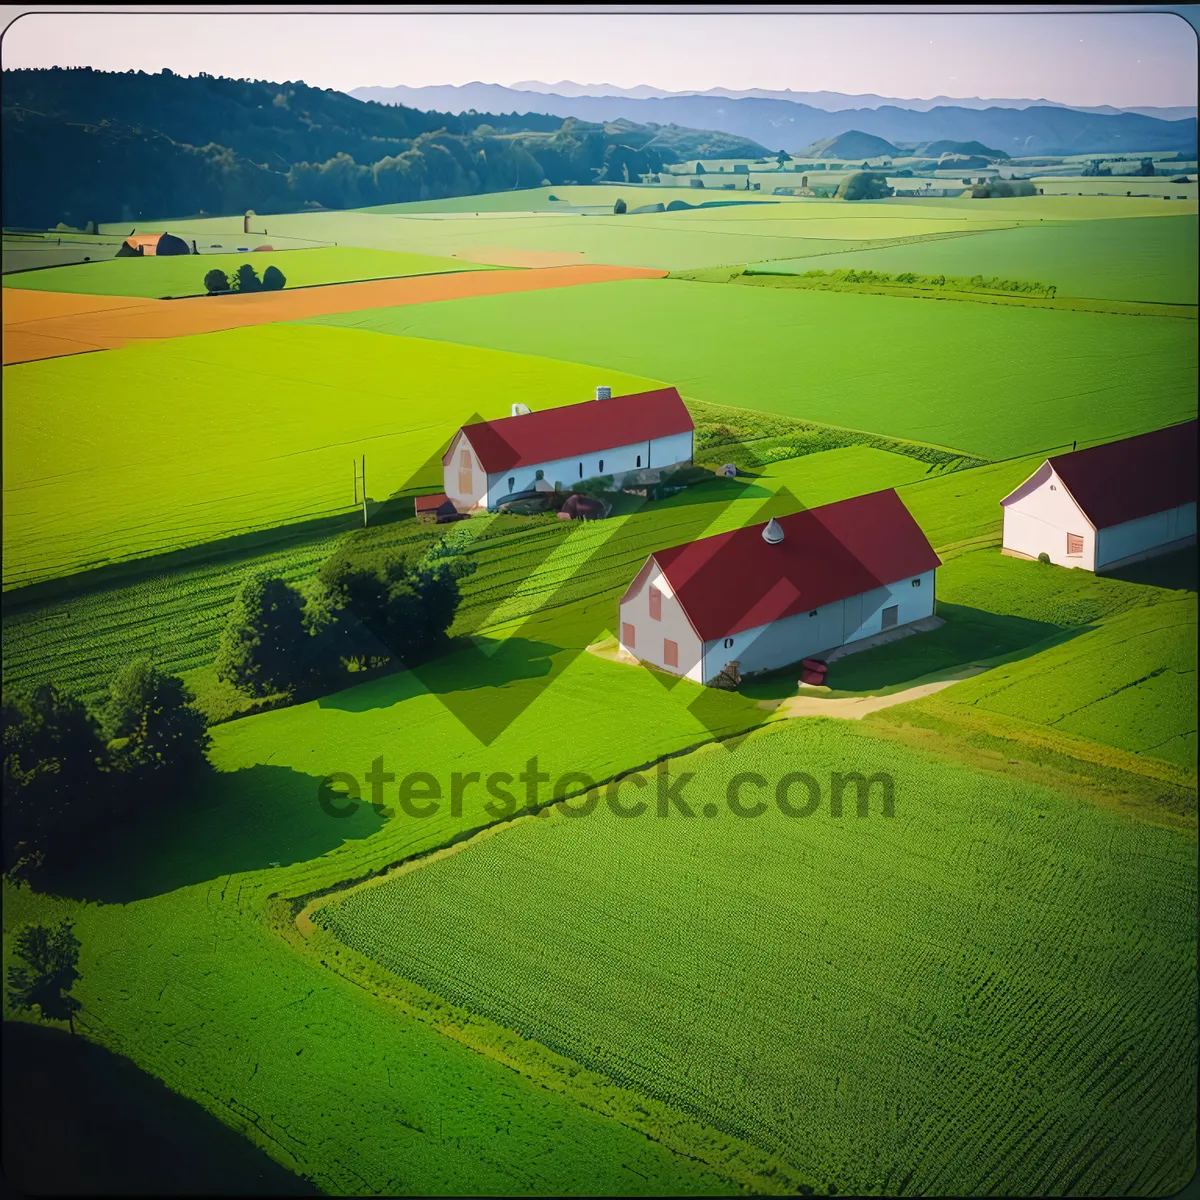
(991, 381)
(952, 988)
(145, 449)
(183, 275)
(1145, 258)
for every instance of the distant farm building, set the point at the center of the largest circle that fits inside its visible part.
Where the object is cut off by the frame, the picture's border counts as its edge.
(152, 244)
(491, 462)
(1108, 506)
(770, 595)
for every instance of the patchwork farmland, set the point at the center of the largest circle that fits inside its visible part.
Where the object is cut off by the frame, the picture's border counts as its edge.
(991, 991)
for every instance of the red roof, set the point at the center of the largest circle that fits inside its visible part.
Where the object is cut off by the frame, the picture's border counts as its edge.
(431, 503)
(575, 429)
(1134, 477)
(735, 581)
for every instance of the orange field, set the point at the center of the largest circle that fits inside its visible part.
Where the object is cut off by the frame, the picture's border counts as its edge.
(50, 324)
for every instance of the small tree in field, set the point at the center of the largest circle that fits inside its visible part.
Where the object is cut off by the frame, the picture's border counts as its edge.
(50, 968)
(155, 730)
(619, 207)
(273, 280)
(216, 281)
(266, 646)
(245, 279)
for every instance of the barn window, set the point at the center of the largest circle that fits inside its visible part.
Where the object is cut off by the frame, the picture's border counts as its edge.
(670, 653)
(813, 613)
(1074, 545)
(916, 583)
(889, 617)
(1053, 488)
(655, 604)
(539, 475)
(729, 643)
(464, 458)
(581, 470)
(512, 483)
(639, 460)
(627, 635)
(602, 466)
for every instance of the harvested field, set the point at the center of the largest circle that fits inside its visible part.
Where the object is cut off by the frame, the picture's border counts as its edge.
(151, 321)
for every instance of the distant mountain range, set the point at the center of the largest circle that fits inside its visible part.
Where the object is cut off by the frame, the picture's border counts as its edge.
(791, 125)
(838, 101)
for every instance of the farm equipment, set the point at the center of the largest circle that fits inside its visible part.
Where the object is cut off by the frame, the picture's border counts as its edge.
(813, 671)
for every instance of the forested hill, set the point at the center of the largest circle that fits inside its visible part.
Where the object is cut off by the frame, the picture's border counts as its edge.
(83, 145)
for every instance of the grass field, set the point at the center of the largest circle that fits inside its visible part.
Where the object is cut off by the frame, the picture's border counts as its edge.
(183, 275)
(895, 962)
(908, 368)
(145, 449)
(1150, 258)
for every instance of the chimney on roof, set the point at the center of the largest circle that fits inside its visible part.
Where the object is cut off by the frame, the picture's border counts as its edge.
(773, 533)
(604, 393)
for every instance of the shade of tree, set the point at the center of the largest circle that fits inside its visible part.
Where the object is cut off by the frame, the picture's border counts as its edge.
(619, 207)
(216, 281)
(46, 972)
(863, 185)
(273, 280)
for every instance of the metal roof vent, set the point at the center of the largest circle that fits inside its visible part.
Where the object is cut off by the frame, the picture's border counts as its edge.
(604, 393)
(773, 533)
(520, 410)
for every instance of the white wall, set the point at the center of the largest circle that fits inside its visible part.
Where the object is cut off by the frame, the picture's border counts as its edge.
(651, 633)
(1038, 517)
(1122, 541)
(780, 643)
(464, 498)
(619, 460)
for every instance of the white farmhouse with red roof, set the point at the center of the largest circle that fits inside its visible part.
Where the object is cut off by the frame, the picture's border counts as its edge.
(491, 461)
(770, 595)
(1108, 506)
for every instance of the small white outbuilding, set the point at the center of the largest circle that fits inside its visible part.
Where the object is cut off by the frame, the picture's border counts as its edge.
(1109, 506)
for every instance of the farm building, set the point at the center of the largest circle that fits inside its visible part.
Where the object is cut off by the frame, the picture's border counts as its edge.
(1108, 506)
(152, 244)
(770, 595)
(434, 509)
(493, 461)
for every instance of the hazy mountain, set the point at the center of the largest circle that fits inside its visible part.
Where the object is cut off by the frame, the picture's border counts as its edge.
(839, 101)
(790, 125)
(853, 144)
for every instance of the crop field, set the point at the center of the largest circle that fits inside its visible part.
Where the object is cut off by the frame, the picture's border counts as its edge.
(913, 945)
(861, 362)
(1148, 258)
(183, 275)
(191, 469)
(144, 320)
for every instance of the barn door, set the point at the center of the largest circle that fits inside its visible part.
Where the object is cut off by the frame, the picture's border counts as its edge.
(466, 478)
(851, 616)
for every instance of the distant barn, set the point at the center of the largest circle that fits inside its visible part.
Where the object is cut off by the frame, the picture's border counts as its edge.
(1108, 506)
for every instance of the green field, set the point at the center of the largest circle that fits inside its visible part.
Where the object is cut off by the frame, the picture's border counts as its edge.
(896, 964)
(183, 275)
(144, 449)
(948, 374)
(1151, 258)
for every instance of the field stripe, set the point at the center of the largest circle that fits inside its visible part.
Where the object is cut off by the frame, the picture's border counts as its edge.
(154, 320)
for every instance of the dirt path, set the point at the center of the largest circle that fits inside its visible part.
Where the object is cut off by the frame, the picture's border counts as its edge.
(854, 708)
(36, 327)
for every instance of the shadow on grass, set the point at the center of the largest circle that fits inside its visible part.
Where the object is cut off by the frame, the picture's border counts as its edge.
(80, 1120)
(1177, 571)
(238, 821)
(969, 636)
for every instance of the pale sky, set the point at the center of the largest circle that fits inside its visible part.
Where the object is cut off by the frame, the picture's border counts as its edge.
(1122, 58)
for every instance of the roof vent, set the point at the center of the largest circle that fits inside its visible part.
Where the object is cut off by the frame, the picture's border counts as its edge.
(603, 393)
(773, 533)
(520, 410)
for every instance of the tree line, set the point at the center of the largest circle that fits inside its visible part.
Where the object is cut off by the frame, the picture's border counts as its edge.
(155, 144)
(71, 769)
